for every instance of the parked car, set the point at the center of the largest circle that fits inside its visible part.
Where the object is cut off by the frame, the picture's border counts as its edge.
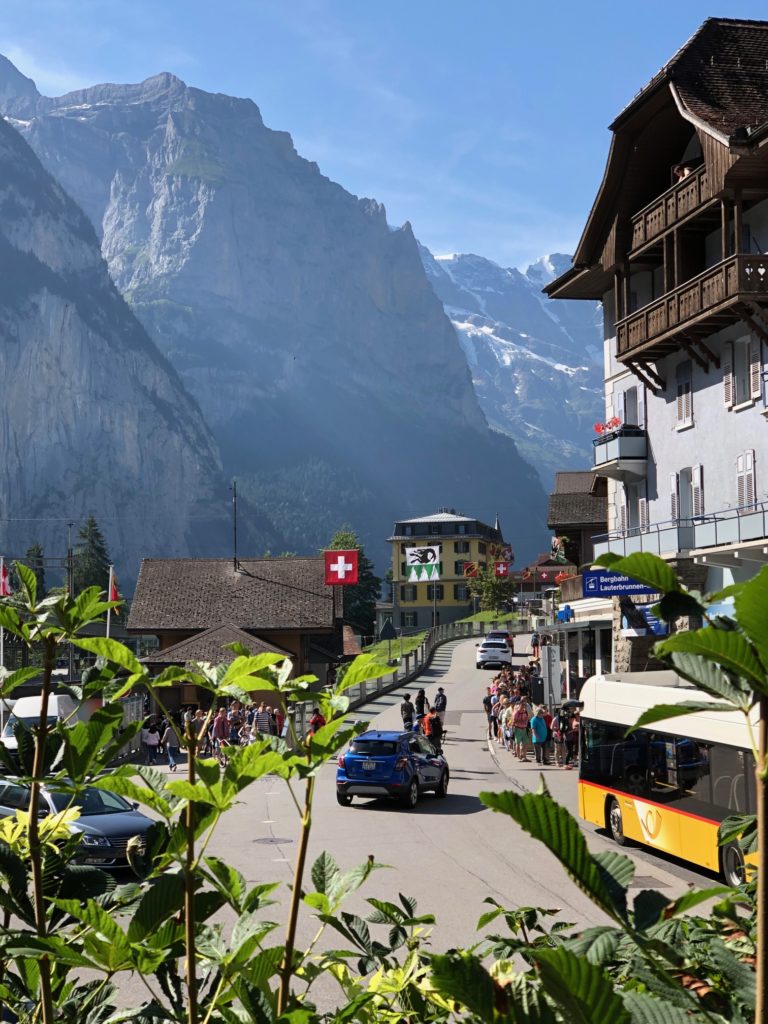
(107, 822)
(493, 652)
(394, 764)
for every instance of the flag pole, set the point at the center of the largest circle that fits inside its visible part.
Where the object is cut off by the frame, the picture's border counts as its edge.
(109, 597)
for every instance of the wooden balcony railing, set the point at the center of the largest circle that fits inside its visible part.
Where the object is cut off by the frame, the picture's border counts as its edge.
(736, 279)
(683, 198)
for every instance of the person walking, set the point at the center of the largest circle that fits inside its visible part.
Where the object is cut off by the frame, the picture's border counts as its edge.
(150, 737)
(406, 712)
(421, 704)
(535, 644)
(539, 735)
(219, 730)
(440, 704)
(487, 706)
(171, 744)
(262, 721)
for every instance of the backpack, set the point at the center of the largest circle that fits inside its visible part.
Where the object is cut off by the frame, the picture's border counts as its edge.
(520, 718)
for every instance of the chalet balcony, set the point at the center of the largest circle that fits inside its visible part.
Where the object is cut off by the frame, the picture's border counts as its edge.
(673, 206)
(622, 454)
(699, 307)
(718, 538)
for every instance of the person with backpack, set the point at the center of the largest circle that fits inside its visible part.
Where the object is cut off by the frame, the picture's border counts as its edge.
(435, 726)
(535, 642)
(520, 721)
(406, 712)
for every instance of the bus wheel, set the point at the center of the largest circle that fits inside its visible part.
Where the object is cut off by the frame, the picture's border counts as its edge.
(732, 865)
(616, 822)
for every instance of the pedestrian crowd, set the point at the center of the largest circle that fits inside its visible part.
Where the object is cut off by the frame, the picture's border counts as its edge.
(521, 728)
(236, 725)
(419, 715)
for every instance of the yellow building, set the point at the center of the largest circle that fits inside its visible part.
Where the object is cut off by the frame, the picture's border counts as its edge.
(460, 539)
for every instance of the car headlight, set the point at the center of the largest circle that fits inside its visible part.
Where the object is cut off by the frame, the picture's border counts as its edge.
(95, 840)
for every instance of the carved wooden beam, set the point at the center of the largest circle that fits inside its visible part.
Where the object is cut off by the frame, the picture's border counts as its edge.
(745, 314)
(712, 356)
(633, 368)
(652, 373)
(687, 344)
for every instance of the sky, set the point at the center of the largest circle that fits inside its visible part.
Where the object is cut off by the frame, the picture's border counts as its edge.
(482, 122)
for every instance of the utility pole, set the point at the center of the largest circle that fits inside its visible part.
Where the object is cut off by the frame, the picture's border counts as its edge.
(235, 563)
(70, 591)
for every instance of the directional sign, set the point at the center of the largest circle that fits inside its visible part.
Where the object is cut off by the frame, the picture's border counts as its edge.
(604, 583)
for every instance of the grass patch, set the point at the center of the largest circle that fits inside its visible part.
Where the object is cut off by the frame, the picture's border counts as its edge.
(491, 617)
(410, 643)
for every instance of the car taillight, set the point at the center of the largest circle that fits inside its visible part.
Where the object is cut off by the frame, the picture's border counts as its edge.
(401, 764)
(340, 762)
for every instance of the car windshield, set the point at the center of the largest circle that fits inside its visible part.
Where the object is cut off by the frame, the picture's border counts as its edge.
(29, 721)
(92, 801)
(374, 748)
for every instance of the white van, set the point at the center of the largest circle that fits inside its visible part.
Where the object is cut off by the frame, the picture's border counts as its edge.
(61, 707)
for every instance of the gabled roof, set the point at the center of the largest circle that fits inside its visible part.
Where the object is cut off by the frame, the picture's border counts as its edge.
(191, 594)
(440, 517)
(718, 83)
(576, 501)
(210, 646)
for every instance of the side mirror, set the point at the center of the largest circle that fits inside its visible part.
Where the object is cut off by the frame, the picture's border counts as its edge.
(135, 806)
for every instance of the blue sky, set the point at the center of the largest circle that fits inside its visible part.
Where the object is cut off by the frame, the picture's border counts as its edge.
(483, 122)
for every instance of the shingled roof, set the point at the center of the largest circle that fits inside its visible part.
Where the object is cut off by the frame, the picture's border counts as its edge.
(210, 646)
(190, 594)
(720, 76)
(575, 503)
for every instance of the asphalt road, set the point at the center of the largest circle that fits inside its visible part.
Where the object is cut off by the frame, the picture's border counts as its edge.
(448, 854)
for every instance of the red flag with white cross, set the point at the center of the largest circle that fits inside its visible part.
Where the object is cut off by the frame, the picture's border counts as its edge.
(341, 567)
(501, 569)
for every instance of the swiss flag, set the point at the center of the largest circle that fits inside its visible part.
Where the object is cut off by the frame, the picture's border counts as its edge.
(501, 568)
(341, 567)
(5, 586)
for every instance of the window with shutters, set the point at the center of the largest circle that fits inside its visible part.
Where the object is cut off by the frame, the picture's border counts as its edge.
(697, 490)
(742, 372)
(631, 414)
(746, 490)
(408, 592)
(461, 547)
(684, 381)
(435, 592)
(460, 592)
(458, 568)
(409, 620)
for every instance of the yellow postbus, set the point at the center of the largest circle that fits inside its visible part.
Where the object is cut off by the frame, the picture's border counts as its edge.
(670, 785)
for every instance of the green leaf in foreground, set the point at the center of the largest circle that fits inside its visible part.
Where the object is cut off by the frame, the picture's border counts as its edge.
(544, 819)
(643, 567)
(462, 977)
(726, 648)
(581, 990)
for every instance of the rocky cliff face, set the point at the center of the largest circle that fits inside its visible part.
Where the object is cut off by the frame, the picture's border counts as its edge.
(536, 364)
(304, 326)
(93, 418)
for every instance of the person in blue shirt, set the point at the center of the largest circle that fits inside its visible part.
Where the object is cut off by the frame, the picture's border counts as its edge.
(539, 735)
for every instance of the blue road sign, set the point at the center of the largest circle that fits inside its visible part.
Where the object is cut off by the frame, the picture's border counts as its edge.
(604, 583)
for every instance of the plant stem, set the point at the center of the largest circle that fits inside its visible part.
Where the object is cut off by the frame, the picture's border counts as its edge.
(35, 846)
(286, 967)
(189, 886)
(761, 966)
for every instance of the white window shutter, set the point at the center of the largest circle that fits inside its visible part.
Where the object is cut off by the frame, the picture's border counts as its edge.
(749, 477)
(755, 366)
(740, 481)
(728, 374)
(641, 406)
(642, 513)
(621, 509)
(674, 497)
(697, 490)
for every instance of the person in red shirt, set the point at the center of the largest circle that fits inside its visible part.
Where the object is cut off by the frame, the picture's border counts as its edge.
(316, 721)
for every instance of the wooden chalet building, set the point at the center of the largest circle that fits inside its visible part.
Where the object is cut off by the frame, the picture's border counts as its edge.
(194, 607)
(676, 250)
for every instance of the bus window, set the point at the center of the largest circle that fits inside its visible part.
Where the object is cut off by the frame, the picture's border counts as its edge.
(613, 760)
(730, 789)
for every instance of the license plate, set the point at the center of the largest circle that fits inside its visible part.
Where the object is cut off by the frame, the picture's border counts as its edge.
(368, 766)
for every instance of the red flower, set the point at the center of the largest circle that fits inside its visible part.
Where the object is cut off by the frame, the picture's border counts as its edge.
(599, 428)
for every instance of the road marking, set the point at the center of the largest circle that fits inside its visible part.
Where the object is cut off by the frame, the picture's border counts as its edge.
(268, 821)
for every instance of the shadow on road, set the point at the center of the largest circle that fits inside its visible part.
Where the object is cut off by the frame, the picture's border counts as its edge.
(454, 803)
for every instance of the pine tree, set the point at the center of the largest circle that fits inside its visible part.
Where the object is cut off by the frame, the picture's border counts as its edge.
(91, 559)
(359, 599)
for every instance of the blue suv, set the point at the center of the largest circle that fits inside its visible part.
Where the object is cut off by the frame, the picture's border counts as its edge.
(393, 764)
